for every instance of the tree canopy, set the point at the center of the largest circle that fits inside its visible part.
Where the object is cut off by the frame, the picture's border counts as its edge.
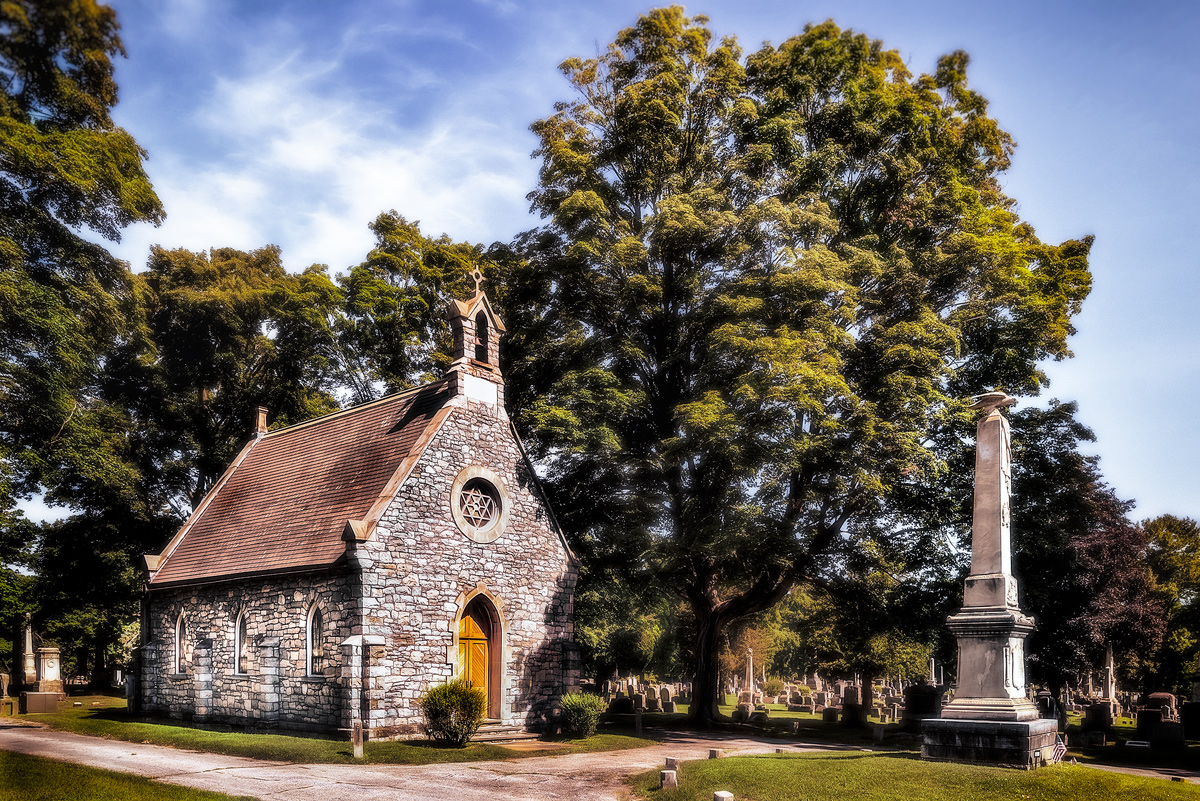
(760, 284)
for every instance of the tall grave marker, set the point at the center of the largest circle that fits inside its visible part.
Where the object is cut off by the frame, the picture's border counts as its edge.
(990, 720)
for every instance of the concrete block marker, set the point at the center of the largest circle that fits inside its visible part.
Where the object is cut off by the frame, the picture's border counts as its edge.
(667, 780)
(714, 753)
(722, 795)
(779, 750)
(356, 738)
(672, 763)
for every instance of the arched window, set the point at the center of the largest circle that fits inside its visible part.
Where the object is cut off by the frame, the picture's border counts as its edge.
(239, 643)
(481, 337)
(181, 640)
(316, 642)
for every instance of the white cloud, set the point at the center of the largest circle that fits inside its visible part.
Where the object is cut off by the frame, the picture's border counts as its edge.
(306, 163)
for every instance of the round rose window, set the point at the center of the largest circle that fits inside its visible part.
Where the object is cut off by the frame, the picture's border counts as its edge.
(479, 503)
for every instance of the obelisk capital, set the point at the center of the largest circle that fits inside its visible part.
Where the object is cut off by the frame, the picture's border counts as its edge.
(989, 402)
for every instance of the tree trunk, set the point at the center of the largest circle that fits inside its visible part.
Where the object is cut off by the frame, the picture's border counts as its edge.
(705, 683)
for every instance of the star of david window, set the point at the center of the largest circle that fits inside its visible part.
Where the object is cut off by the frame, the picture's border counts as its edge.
(478, 503)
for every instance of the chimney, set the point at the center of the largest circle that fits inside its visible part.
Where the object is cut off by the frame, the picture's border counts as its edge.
(260, 424)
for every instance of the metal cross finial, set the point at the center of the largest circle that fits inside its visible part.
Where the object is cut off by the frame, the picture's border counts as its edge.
(479, 279)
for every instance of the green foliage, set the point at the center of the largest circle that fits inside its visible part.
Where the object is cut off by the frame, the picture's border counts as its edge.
(1173, 554)
(1081, 561)
(453, 711)
(760, 286)
(773, 686)
(64, 167)
(582, 711)
(393, 331)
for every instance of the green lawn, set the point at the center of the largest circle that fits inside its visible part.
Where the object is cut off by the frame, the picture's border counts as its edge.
(29, 778)
(894, 776)
(110, 720)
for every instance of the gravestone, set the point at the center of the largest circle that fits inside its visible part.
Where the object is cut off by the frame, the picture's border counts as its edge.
(922, 701)
(1189, 718)
(1098, 718)
(621, 705)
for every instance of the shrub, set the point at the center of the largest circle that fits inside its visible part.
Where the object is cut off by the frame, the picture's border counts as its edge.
(773, 686)
(581, 712)
(453, 711)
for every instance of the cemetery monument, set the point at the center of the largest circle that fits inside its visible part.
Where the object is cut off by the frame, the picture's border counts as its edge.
(990, 720)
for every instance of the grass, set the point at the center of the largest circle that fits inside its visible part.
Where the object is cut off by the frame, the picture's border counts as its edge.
(109, 720)
(29, 778)
(889, 776)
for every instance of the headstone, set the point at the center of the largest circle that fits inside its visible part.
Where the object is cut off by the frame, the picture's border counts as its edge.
(1189, 718)
(667, 780)
(664, 694)
(672, 763)
(714, 753)
(356, 739)
(3, 685)
(922, 701)
(620, 705)
(829, 715)
(722, 795)
(1098, 717)
(637, 720)
(1165, 701)
(851, 695)
(639, 700)
(669, 707)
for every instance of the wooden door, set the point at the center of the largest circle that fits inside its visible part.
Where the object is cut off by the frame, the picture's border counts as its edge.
(473, 656)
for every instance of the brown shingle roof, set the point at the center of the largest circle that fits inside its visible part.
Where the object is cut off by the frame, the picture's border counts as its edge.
(284, 506)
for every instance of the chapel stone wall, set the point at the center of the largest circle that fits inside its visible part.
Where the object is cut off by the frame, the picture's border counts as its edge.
(274, 691)
(420, 568)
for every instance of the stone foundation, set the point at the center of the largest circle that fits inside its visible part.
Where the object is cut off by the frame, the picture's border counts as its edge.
(1010, 744)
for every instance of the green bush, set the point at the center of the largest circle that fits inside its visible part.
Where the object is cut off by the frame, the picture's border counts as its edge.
(453, 711)
(581, 712)
(773, 686)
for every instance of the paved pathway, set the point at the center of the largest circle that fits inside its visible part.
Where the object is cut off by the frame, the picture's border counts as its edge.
(578, 777)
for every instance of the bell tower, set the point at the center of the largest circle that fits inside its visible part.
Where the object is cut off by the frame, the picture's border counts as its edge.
(476, 328)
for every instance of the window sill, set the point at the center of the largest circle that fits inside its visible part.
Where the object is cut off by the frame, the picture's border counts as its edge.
(313, 679)
(177, 676)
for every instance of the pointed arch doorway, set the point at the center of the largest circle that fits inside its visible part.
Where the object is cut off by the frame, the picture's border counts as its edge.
(479, 650)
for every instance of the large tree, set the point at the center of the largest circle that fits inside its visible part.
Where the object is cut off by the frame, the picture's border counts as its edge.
(1080, 559)
(65, 168)
(760, 285)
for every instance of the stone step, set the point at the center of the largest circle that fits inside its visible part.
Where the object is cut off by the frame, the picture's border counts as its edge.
(499, 733)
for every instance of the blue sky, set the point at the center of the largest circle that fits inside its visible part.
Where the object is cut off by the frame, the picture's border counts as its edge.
(296, 123)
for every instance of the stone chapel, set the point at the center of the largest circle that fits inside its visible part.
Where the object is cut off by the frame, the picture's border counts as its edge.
(343, 566)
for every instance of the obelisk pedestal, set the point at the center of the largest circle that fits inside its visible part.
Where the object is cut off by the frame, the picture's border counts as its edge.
(990, 720)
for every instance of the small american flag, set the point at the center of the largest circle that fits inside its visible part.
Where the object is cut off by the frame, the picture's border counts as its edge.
(1060, 749)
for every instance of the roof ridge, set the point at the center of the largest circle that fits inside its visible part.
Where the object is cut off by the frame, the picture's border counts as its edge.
(350, 409)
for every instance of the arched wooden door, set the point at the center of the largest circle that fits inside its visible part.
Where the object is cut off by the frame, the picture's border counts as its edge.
(477, 650)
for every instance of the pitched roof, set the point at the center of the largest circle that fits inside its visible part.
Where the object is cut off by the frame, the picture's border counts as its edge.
(285, 502)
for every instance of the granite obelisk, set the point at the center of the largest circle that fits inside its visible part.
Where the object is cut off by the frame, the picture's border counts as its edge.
(990, 720)
(990, 627)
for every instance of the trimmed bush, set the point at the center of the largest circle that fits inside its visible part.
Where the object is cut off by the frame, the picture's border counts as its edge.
(581, 712)
(773, 686)
(453, 711)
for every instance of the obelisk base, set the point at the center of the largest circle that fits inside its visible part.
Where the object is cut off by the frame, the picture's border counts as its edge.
(991, 666)
(1023, 744)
